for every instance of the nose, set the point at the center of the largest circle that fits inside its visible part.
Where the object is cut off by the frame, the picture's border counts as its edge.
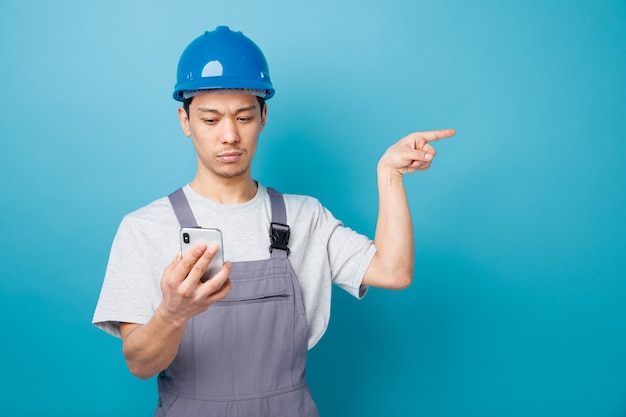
(230, 133)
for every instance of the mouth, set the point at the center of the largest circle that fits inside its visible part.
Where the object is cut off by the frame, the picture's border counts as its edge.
(230, 156)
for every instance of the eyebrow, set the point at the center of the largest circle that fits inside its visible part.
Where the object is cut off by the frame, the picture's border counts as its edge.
(241, 110)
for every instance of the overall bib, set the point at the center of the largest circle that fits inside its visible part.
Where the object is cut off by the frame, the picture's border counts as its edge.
(244, 356)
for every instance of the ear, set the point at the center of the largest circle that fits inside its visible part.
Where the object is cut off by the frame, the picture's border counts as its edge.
(263, 117)
(184, 121)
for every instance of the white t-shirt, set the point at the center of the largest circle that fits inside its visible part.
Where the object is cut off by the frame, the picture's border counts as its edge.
(323, 252)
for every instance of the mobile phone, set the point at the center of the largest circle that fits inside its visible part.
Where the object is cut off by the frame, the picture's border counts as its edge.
(191, 236)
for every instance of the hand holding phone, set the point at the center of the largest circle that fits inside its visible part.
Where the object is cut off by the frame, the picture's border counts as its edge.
(192, 236)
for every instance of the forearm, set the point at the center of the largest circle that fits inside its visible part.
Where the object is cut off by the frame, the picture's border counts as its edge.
(394, 231)
(150, 348)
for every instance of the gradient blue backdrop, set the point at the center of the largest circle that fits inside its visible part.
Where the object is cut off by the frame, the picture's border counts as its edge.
(517, 307)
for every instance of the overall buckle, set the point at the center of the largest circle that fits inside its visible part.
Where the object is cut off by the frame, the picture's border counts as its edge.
(279, 237)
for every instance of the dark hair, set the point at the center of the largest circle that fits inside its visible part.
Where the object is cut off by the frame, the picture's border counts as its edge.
(187, 103)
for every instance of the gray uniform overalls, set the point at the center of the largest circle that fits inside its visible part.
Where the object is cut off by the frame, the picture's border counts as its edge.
(245, 356)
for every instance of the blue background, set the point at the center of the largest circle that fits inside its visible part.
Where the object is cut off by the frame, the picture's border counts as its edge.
(517, 306)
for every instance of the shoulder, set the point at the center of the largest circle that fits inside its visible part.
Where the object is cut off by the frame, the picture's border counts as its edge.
(152, 211)
(153, 217)
(298, 205)
(302, 202)
(306, 210)
(302, 207)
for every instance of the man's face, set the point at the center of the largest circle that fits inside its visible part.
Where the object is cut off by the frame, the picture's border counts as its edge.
(224, 128)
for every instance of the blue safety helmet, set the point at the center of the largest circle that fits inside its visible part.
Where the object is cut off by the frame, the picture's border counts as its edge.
(222, 59)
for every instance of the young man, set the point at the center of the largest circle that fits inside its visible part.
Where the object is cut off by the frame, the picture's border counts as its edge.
(237, 343)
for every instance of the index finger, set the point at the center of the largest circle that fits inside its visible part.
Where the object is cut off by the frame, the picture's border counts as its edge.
(433, 135)
(195, 259)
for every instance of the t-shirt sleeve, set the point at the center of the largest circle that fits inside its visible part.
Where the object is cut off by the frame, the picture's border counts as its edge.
(350, 254)
(128, 292)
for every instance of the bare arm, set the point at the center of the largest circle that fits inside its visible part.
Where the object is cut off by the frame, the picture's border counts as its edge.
(151, 347)
(392, 266)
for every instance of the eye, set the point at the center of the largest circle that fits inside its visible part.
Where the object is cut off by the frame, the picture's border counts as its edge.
(209, 121)
(245, 119)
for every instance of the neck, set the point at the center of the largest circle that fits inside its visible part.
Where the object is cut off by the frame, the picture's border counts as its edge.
(225, 190)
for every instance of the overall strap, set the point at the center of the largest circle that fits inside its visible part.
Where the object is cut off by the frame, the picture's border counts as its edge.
(279, 230)
(182, 210)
